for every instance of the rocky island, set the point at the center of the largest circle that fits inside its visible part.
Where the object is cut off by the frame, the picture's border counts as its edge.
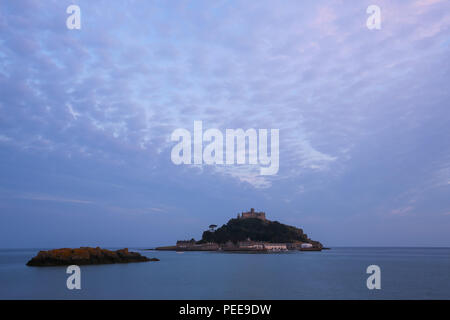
(250, 231)
(85, 256)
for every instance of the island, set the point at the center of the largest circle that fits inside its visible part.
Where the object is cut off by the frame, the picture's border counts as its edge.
(250, 232)
(85, 256)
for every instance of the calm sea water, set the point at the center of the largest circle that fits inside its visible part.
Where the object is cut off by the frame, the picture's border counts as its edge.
(340, 273)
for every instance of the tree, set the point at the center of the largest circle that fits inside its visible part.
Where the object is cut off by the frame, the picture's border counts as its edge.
(212, 227)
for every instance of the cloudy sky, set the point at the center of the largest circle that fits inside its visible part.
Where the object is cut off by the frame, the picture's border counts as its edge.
(86, 118)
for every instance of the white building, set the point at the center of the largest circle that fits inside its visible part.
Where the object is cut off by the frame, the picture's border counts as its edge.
(275, 246)
(251, 245)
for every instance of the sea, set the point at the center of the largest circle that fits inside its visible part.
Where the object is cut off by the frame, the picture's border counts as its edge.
(339, 273)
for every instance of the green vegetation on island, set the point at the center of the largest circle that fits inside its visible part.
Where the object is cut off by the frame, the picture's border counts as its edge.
(255, 229)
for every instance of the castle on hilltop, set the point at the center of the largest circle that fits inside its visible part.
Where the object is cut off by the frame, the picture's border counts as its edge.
(252, 214)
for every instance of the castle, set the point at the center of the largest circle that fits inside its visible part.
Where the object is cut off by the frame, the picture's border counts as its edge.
(252, 214)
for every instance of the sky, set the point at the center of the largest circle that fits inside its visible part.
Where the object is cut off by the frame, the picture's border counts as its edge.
(86, 117)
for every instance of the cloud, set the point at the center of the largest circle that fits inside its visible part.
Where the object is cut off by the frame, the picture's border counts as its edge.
(53, 199)
(4, 138)
(313, 71)
(133, 210)
(325, 21)
(421, 3)
(246, 174)
(72, 112)
(402, 211)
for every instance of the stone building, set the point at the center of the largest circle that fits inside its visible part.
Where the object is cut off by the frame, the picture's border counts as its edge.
(251, 245)
(252, 214)
(193, 246)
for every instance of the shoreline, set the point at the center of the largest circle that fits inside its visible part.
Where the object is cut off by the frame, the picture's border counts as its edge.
(175, 248)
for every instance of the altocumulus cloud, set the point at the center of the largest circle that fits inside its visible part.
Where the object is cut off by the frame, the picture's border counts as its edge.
(358, 111)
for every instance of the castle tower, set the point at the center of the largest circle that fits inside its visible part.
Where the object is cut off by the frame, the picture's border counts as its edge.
(253, 214)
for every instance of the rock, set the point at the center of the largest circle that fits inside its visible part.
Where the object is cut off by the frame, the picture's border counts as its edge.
(85, 256)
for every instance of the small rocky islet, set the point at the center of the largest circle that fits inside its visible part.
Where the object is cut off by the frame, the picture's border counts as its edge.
(85, 256)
